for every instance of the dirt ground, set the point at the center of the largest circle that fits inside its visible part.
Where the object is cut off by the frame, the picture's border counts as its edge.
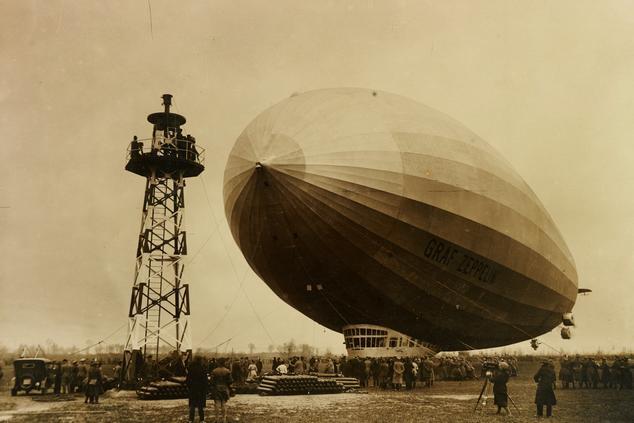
(445, 402)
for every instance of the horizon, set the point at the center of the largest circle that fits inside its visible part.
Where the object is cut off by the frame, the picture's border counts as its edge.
(555, 103)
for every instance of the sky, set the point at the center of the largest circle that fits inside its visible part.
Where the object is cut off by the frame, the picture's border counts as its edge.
(548, 84)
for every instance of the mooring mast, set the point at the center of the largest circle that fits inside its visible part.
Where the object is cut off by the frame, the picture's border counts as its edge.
(159, 304)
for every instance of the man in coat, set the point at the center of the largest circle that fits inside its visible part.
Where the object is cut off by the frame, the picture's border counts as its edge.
(500, 391)
(197, 382)
(545, 395)
(93, 386)
(67, 375)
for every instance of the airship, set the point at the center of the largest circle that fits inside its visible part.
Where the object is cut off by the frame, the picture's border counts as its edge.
(386, 220)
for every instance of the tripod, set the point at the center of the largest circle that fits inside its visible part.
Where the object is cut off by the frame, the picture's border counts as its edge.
(486, 393)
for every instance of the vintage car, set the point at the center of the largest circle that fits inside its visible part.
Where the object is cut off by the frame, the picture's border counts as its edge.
(33, 374)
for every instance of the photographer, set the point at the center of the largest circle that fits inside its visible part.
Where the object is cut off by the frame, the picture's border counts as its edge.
(500, 391)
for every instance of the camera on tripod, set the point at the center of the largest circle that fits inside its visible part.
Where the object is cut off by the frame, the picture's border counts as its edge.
(489, 368)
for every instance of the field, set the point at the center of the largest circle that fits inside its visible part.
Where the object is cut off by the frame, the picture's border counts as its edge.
(445, 402)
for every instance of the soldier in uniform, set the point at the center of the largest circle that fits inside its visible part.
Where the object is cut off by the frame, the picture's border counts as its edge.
(67, 375)
(592, 374)
(74, 376)
(82, 372)
(94, 381)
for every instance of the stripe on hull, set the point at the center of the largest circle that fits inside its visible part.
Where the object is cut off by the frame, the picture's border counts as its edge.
(403, 216)
(411, 287)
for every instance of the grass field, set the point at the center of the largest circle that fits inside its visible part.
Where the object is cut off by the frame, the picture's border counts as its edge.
(445, 402)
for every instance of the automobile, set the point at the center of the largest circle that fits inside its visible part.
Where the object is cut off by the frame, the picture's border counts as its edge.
(32, 374)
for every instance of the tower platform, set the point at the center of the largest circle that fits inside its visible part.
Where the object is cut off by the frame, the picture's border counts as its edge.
(165, 156)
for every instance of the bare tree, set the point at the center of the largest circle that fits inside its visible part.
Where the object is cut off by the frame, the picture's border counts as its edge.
(288, 347)
(305, 350)
(251, 348)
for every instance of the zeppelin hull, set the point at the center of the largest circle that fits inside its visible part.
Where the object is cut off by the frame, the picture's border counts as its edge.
(364, 207)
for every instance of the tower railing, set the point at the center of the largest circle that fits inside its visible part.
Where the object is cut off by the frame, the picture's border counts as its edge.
(160, 146)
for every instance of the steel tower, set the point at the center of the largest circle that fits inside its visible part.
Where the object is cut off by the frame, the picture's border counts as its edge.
(159, 305)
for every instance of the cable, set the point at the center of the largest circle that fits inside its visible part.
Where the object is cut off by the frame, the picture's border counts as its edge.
(149, 5)
(235, 271)
(101, 341)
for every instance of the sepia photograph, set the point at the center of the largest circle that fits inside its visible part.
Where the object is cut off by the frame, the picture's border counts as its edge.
(341, 211)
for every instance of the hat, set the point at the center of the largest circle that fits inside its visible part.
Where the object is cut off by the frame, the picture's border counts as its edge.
(503, 365)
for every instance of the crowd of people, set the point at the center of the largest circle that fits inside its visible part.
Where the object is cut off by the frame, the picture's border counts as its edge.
(175, 145)
(592, 372)
(78, 376)
(214, 377)
(384, 373)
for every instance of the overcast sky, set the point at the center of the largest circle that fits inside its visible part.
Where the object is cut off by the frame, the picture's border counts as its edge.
(549, 84)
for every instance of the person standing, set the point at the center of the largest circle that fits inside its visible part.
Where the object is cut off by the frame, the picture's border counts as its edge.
(67, 374)
(236, 371)
(252, 371)
(196, 382)
(57, 387)
(82, 373)
(545, 395)
(500, 390)
(408, 374)
(281, 368)
(258, 364)
(93, 383)
(384, 370)
(298, 367)
(605, 373)
(397, 377)
(74, 376)
(221, 384)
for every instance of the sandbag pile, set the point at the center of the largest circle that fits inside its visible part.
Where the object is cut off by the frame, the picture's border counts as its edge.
(164, 389)
(349, 383)
(298, 385)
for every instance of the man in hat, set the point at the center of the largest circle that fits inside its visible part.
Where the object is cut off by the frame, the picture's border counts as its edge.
(545, 395)
(197, 385)
(74, 376)
(94, 379)
(82, 372)
(67, 374)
